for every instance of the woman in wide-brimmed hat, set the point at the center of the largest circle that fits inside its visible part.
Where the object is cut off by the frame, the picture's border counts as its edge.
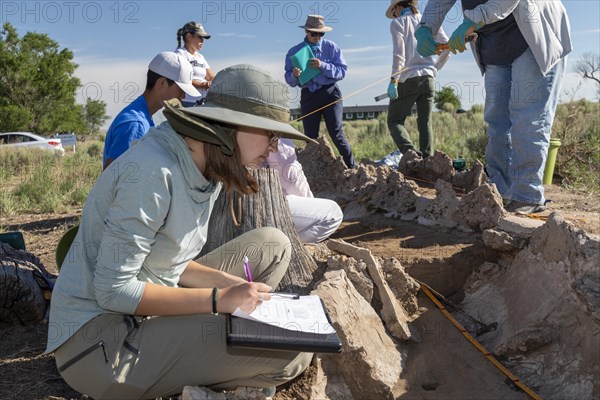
(131, 311)
(193, 36)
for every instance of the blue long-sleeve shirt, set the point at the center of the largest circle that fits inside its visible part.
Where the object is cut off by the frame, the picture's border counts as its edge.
(333, 66)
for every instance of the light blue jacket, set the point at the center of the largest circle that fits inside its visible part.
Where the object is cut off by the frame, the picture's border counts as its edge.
(543, 23)
(143, 221)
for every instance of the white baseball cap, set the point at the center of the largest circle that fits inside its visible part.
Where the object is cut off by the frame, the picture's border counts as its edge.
(175, 67)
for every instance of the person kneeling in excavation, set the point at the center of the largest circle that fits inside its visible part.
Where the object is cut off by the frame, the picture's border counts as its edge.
(132, 315)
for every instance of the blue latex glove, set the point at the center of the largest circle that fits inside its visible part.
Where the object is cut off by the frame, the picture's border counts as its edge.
(459, 36)
(426, 45)
(393, 90)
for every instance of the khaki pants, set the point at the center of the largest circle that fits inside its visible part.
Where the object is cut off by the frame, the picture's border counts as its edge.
(117, 356)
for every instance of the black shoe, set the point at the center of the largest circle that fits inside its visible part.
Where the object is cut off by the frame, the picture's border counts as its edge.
(521, 208)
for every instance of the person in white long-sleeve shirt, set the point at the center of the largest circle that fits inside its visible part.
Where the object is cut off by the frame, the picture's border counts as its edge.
(315, 218)
(413, 77)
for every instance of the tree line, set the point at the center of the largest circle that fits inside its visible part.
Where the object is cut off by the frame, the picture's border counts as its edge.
(38, 87)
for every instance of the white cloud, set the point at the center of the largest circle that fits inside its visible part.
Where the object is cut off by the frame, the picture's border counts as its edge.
(587, 32)
(117, 82)
(366, 49)
(238, 35)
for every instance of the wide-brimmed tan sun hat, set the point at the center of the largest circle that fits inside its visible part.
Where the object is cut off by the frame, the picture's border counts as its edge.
(316, 23)
(393, 3)
(245, 95)
(390, 9)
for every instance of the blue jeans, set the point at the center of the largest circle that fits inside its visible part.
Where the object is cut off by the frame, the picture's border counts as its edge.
(519, 110)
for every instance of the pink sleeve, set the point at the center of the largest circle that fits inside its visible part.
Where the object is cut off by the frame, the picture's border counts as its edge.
(284, 160)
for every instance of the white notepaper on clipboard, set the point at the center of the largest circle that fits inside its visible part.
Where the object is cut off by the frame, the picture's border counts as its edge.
(304, 314)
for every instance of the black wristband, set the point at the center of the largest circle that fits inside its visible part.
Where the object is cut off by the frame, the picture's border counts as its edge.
(214, 301)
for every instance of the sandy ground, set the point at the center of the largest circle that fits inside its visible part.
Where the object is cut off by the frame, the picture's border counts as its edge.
(25, 373)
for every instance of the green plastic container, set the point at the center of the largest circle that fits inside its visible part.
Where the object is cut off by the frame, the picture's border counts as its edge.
(551, 161)
(459, 164)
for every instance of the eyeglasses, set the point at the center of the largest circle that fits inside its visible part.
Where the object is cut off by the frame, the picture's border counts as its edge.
(273, 137)
(200, 37)
(315, 34)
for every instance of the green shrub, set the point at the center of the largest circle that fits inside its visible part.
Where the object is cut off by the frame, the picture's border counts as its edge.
(448, 107)
(577, 125)
(477, 108)
(95, 150)
(47, 183)
(19, 161)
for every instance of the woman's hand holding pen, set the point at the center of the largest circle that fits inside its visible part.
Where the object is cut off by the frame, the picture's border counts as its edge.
(245, 296)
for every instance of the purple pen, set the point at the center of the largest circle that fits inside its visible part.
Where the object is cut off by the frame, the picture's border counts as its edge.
(247, 269)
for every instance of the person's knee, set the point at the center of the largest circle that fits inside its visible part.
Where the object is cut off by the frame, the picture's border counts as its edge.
(274, 243)
(337, 215)
(332, 222)
(324, 227)
(297, 366)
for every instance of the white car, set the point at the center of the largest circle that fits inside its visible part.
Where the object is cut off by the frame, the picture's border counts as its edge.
(30, 140)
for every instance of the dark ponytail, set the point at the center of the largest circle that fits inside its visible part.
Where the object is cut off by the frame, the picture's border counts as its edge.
(179, 35)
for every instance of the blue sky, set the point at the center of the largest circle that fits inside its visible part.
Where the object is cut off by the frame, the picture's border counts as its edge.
(113, 41)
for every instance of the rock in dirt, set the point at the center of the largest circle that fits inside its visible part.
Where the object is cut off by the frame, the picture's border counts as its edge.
(356, 272)
(395, 316)
(240, 393)
(369, 363)
(404, 287)
(546, 304)
(480, 209)
(441, 209)
(471, 179)
(502, 240)
(326, 174)
(438, 166)
(328, 387)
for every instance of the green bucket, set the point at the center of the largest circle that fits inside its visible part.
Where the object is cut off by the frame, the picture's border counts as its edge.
(551, 161)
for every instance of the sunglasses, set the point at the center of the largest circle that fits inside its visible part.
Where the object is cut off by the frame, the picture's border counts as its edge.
(273, 137)
(315, 34)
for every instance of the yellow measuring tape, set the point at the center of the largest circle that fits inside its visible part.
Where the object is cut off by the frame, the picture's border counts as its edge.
(479, 347)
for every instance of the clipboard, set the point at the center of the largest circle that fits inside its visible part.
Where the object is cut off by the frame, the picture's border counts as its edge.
(247, 333)
(300, 60)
